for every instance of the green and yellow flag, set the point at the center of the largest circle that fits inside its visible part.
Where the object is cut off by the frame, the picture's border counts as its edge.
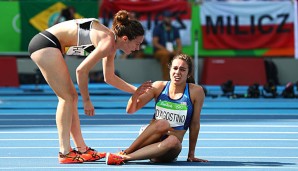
(39, 15)
(10, 29)
(47, 17)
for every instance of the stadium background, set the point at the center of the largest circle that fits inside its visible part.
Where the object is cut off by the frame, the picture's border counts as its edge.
(21, 20)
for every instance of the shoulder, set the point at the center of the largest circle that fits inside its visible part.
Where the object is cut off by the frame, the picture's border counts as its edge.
(196, 88)
(196, 91)
(158, 86)
(108, 36)
(105, 38)
(83, 20)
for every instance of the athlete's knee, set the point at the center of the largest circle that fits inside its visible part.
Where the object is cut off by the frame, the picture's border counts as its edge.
(172, 142)
(162, 125)
(72, 97)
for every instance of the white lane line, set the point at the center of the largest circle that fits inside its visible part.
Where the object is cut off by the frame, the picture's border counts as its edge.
(163, 167)
(145, 119)
(179, 157)
(133, 132)
(209, 157)
(186, 147)
(132, 139)
(136, 125)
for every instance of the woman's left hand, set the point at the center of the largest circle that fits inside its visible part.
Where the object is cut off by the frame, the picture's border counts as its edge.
(89, 108)
(193, 159)
(143, 88)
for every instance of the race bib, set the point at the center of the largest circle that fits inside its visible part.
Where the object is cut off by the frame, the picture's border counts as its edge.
(174, 113)
(84, 50)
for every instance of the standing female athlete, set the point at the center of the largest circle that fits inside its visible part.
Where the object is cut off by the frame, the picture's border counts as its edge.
(178, 105)
(81, 37)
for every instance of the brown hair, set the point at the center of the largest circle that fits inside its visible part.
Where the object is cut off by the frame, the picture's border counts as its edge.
(124, 26)
(188, 60)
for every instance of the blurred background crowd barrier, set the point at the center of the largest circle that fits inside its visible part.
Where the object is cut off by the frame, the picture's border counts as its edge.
(246, 41)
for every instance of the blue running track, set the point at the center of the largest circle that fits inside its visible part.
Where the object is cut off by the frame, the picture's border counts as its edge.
(236, 134)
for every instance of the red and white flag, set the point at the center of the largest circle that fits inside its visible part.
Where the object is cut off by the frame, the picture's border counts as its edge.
(247, 25)
(149, 14)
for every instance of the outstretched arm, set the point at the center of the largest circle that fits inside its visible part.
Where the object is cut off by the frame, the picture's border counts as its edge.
(112, 79)
(141, 97)
(103, 49)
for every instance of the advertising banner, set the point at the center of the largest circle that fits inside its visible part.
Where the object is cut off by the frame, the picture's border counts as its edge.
(224, 28)
(149, 13)
(261, 28)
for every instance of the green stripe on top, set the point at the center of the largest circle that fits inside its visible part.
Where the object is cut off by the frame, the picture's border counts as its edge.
(171, 105)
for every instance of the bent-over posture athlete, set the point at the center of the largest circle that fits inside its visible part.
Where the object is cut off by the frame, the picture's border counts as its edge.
(82, 37)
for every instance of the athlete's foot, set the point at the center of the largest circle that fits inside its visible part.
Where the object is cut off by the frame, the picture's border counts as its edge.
(94, 155)
(114, 159)
(71, 157)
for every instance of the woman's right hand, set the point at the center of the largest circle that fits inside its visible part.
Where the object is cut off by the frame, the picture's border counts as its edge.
(89, 108)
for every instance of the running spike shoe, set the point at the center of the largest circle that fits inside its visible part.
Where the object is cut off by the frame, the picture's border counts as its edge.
(71, 157)
(114, 159)
(94, 154)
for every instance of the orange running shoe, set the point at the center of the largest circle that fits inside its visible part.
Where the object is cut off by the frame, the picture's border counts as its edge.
(94, 154)
(114, 159)
(71, 157)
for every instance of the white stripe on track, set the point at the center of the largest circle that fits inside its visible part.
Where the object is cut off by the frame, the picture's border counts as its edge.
(132, 139)
(163, 167)
(209, 157)
(150, 113)
(186, 147)
(134, 119)
(133, 132)
(131, 125)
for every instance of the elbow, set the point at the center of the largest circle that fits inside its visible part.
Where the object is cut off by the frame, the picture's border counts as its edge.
(129, 110)
(80, 71)
(108, 78)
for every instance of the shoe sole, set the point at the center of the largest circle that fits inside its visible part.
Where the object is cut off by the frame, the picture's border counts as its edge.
(70, 162)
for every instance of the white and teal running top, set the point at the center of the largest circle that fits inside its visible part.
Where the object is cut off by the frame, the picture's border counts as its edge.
(177, 112)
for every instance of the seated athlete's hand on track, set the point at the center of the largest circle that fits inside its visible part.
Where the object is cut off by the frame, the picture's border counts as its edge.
(196, 160)
(89, 108)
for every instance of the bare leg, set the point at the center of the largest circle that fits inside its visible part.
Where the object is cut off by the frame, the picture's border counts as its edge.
(164, 151)
(76, 132)
(151, 134)
(55, 71)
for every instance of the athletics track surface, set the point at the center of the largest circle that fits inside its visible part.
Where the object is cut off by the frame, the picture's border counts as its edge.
(236, 134)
